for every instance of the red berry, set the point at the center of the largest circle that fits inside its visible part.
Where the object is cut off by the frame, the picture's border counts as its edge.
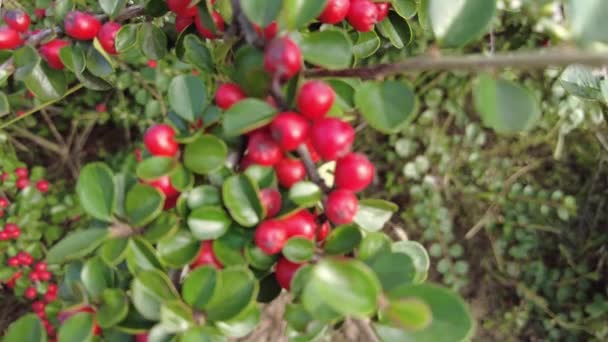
(141, 337)
(182, 22)
(52, 288)
(228, 94)
(11, 282)
(182, 8)
(50, 296)
(204, 31)
(45, 275)
(323, 231)
(353, 172)
(34, 276)
(314, 155)
(25, 258)
(263, 150)
(13, 262)
(40, 13)
(283, 57)
(269, 32)
(270, 236)
(22, 183)
(4, 176)
(341, 206)
(362, 15)
(160, 141)
(332, 138)
(315, 99)
(138, 156)
(383, 8)
(17, 20)
(107, 36)
(101, 107)
(245, 163)
(81, 26)
(4, 236)
(271, 200)
(284, 272)
(289, 130)
(21, 172)
(163, 183)
(50, 52)
(30, 293)
(335, 11)
(42, 186)
(300, 224)
(206, 256)
(38, 306)
(9, 38)
(152, 63)
(3, 203)
(289, 172)
(11, 229)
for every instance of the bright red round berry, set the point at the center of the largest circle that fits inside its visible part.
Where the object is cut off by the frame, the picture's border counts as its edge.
(21, 172)
(52, 288)
(362, 15)
(271, 30)
(182, 8)
(341, 206)
(271, 200)
(332, 138)
(206, 256)
(207, 33)
(22, 183)
(300, 224)
(11, 228)
(45, 275)
(383, 8)
(283, 57)
(9, 38)
(289, 130)
(101, 107)
(152, 63)
(335, 11)
(18, 20)
(160, 141)
(30, 293)
(4, 236)
(50, 296)
(284, 272)
(3, 203)
(315, 99)
(38, 306)
(40, 13)
(263, 150)
(270, 236)
(323, 231)
(141, 337)
(42, 186)
(290, 171)
(107, 36)
(40, 266)
(353, 172)
(25, 258)
(34, 276)
(50, 52)
(13, 262)
(163, 183)
(81, 26)
(228, 94)
(182, 22)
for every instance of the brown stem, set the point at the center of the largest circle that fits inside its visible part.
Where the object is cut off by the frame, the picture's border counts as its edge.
(122, 230)
(311, 169)
(251, 36)
(518, 60)
(366, 330)
(276, 93)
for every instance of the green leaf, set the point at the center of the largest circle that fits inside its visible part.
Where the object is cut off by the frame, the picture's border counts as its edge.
(373, 214)
(209, 223)
(179, 249)
(204, 195)
(243, 324)
(397, 30)
(126, 37)
(165, 225)
(229, 248)
(405, 8)
(298, 250)
(97, 63)
(207, 154)
(347, 286)
(456, 23)
(149, 290)
(269, 289)
(5, 106)
(418, 254)
(366, 45)
(242, 199)
(72, 56)
(78, 328)
(27, 328)
(410, 314)
(261, 12)
(250, 74)
(394, 270)
(373, 245)
(153, 41)
(197, 53)
(187, 96)
(305, 194)
(175, 316)
(156, 8)
(112, 7)
(93, 82)
(588, 20)
(113, 251)
(343, 239)
(141, 256)
(387, 106)
(181, 178)
(297, 13)
(143, 204)
(62, 7)
(263, 176)
(154, 167)
(247, 115)
(451, 319)
(579, 80)
(233, 299)
(331, 49)
(257, 259)
(96, 276)
(76, 245)
(505, 106)
(95, 189)
(200, 285)
(113, 309)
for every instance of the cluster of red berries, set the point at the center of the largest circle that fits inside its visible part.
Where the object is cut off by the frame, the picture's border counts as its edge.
(10, 231)
(362, 15)
(17, 23)
(186, 14)
(23, 182)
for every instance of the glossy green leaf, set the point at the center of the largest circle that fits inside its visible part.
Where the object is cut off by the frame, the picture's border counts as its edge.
(456, 23)
(156, 8)
(410, 314)
(149, 290)
(141, 256)
(181, 178)
(95, 189)
(373, 214)
(113, 309)
(72, 56)
(257, 259)
(5, 106)
(242, 199)
(153, 41)
(394, 270)
(27, 328)
(331, 49)
(588, 20)
(373, 245)
(305, 194)
(197, 53)
(143, 204)
(263, 176)
(78, 328)
(187, 96)
(126, 38)
(200, 285)
(261, 12)
(154, 167)
(505, 106)
(96, 276)
(204, 195)
(113, 251)
(298, 13)
(62, 7)
(298, 250)
(343, 239)
(76, 245)
(397, 30)
(207, 154)
(112, 7)
(47, 84)
(209, 223)
(418, 254)
(387, 106)
(179, 249)
(250, 74)
(366, 45)
(405, 8)
(175, 316)
(243, 324)
(97, 63)
(228, 249)
(164, 225)
(247, 115)
(580, 80)
(233, 299)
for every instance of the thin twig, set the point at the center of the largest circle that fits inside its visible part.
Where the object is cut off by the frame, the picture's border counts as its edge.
(40, 141)
(366, 330)
(311, 169)
(52, 127)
